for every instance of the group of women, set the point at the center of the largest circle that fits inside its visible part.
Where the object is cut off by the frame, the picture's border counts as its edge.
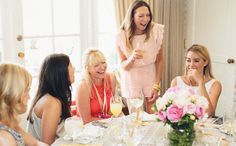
(140, 48)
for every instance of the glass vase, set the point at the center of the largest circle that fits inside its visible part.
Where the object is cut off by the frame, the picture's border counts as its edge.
(181, 137)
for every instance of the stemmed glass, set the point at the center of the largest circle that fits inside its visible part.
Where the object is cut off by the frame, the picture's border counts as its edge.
(136, 102)
(116, 105)
(72, 124)
(116, 109)
(142, 50)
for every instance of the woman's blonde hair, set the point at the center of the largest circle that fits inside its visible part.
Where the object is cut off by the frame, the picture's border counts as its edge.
(91, 56)
(204, 54)
(14, 83)
(128, 24)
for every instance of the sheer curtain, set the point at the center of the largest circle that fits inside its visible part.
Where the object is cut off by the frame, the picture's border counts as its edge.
(121, 7)
(170, 13)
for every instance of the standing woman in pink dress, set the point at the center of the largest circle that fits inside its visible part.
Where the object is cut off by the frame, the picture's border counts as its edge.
(139, 44)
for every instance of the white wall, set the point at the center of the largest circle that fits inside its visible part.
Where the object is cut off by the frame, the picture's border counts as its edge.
(212, 24)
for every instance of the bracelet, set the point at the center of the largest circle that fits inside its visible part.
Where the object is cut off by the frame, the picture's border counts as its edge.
(156, 87)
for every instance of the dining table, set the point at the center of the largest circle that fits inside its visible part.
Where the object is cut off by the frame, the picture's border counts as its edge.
(142, 131)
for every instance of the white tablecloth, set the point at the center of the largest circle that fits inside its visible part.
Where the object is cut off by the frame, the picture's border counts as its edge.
(127, 131)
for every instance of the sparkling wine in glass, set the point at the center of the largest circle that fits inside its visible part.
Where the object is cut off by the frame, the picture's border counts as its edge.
(116, 105)
(141, 48)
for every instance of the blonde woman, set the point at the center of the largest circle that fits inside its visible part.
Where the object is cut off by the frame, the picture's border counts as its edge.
(139, 44)
(96, 88)
(198, 75)
(15, 84)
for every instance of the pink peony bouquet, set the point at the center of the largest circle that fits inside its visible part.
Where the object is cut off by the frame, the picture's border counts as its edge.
(180, 107)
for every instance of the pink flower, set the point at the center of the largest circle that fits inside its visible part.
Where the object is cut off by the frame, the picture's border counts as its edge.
(175, 113)
(191, 91)
(162, 116)
(199, 112)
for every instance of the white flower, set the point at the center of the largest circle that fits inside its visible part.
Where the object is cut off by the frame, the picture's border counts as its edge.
(202, 101)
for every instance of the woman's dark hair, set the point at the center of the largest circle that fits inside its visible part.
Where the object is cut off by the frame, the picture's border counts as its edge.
(54, 80)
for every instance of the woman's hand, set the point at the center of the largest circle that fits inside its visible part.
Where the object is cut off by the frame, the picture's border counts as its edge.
(195, 76)
(137, 54)
(154, 97)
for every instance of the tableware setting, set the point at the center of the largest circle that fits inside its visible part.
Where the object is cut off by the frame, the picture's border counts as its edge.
(72, 126)
(83, 134)
(210, 133)
(90, 134)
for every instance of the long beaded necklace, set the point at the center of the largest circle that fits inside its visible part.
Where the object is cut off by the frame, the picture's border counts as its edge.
(103, 104)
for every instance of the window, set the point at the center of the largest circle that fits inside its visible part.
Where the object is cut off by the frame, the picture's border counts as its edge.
(51, 27)
(107, 31)
(67, 27)
(57, 26)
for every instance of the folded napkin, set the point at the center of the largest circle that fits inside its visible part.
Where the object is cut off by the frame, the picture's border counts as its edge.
(89, 134)
(148, 117)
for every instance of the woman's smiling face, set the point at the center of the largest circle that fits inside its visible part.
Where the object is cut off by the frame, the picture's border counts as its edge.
(194, 61)
(141, 19)
(98, 70)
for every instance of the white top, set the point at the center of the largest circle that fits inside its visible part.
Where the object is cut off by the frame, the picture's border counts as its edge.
(143, 73)
(182, 84)
(35, 128)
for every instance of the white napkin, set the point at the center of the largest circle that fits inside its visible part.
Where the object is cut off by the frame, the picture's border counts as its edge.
(148, 117)
(72, 125)
(89, 134)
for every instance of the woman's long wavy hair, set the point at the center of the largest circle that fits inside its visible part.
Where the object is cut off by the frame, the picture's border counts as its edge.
(129, 26)
(15, 82)
(54, 80)
(204, 54)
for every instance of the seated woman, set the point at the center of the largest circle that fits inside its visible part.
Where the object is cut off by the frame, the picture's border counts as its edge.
(15, 84)
(51, 105)
(198, 75)
(96, 88)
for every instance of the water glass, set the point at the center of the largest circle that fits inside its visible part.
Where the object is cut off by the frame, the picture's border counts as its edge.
(72, 124)
(135, 103)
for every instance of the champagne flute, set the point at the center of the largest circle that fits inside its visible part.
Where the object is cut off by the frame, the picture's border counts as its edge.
(116, 109)
(142, 51)
(116, 105)
(137, 102)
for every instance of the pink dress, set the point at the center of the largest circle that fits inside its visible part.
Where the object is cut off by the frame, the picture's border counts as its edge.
(142, 75)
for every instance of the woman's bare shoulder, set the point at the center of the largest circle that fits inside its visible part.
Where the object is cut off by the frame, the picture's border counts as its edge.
(217, 83)
(6, 139)
(83, 89)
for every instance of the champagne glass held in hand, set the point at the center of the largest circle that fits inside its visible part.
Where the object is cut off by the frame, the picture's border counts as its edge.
(141, 51)
(116, 105)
